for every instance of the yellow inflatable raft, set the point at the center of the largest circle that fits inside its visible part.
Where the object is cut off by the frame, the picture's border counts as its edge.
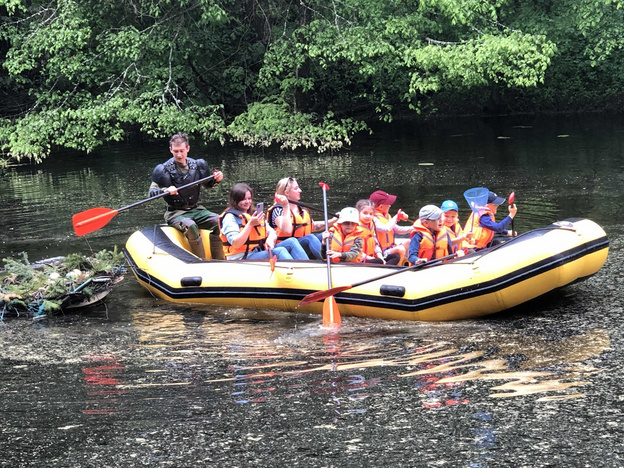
(485, 282)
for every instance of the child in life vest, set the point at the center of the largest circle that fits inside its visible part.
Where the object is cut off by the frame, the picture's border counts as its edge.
(371, 248)
(386, 225)
(430, 239)
(345, 238)
(451, 222)
(483, 223)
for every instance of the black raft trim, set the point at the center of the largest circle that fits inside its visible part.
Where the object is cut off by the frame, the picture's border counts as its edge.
(382, 302)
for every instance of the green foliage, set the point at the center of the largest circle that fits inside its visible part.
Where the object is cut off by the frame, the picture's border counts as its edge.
(264, 124)
(106, 261)
(43, 287)
(307, 74)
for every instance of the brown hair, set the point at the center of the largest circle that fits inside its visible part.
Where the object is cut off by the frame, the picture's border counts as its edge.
(179, 138)
(361, 204)
(237, 194)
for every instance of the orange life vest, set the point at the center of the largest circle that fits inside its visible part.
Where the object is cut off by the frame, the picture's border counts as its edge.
(256, 238)
(482, 236)
(386, 239)
(340, 243)
(301, 222)
(369, 236)
(432, 246)
(454, 233)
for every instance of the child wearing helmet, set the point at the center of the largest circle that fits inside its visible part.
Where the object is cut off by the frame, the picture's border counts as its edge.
(345, 238)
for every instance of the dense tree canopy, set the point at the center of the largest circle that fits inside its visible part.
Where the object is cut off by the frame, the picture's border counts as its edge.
(310, 73)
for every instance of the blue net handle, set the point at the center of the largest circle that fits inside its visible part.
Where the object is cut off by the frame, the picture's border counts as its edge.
(477, 198)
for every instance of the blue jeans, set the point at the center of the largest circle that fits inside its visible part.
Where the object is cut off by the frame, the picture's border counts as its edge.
(286, 250)
(293, 249)
(312, 246)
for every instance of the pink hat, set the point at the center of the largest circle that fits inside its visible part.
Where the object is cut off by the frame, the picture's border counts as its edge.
(380, 197)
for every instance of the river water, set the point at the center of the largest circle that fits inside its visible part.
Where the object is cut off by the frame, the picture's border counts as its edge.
(136, 381)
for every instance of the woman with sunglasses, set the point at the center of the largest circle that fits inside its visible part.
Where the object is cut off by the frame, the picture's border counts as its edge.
(292, 220)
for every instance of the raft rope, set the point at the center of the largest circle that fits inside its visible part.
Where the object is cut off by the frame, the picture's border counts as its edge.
(506, 242)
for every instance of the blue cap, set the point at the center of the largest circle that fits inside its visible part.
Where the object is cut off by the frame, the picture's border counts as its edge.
(495, 199)
(448, 205)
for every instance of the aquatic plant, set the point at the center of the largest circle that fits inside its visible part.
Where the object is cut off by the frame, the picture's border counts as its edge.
(49, 286)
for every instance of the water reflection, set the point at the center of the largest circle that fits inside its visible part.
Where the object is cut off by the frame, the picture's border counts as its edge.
(258, 363)
(102, 383)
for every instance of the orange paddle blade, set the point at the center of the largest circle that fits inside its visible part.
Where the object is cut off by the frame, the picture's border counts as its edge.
(92, 220)
(320, 295)
(331, 314)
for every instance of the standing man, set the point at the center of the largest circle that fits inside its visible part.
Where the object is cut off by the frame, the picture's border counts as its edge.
(184, 212)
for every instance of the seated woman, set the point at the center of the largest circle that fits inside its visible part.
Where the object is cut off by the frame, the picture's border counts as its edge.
(244, 232)
(293, 221)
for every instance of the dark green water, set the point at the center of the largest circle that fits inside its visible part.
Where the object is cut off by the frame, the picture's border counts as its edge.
(140, 382)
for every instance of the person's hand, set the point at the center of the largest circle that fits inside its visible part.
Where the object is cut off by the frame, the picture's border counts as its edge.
(512, 210)
(325, 235)
(390, 251)
(511, 233)
(402, 215)
(218, 175)
(173, 190)
(281, 199)
(420, 260)
(333, 254)
(270, 243)
(257, 218)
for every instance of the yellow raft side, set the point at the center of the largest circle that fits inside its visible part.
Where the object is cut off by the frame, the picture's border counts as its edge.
(476, 285)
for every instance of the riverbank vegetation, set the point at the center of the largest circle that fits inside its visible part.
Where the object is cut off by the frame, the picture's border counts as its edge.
(311, 73)
(52, 285)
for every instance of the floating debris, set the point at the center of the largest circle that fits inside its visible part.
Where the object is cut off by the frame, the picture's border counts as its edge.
(56, 284)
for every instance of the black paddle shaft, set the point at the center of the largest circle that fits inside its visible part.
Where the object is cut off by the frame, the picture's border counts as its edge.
(200, 181)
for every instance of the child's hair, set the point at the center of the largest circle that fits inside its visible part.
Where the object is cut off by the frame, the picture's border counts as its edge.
(237, 194)
(361, 204)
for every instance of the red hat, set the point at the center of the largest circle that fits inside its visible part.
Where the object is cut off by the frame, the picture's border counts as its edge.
(379, 197)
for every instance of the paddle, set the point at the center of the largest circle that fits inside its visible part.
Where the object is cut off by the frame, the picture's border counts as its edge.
(272, 258)
(309, 207)
(512, 197)
(96, 218)
(331, 314)
(318, 295)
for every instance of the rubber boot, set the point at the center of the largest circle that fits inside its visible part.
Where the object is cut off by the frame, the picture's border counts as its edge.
(197, 247)
(216, 247)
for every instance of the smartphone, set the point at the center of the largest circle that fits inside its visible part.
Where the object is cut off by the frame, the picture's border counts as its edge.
(259, 208)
